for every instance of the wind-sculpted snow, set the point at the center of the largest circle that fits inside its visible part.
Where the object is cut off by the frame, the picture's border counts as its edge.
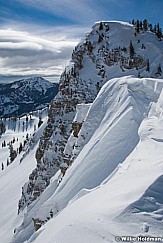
(147, 208)
(112, 130)
(130, 201)
(111, 127)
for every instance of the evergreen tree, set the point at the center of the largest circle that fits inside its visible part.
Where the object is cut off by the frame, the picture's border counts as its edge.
(20, 148)
(145, 25)
(143, 46)
(8, 161)
(2, 128)
(150, 27)
(25, 143)
(26, 119)
(131, 49)
(13, 153)
(148, 66)
(155, 28)
(133, 22)
(40, 122)
(27, 137)
(159, 69)
(101, 26)
(158, 31)
(141, 25)
(158, 28)
(137, 26)
(161, 35)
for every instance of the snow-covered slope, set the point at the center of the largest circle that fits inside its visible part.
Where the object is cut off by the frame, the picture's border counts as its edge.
(23, 96)
(16, 172)
(111, 127)
(104, 53)
(127, 203)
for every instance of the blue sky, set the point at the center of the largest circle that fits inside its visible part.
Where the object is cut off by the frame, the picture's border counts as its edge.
(79, 12)
(37, 36)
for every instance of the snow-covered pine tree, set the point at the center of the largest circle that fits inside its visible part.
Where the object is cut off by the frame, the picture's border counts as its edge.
(131, 49)
(2, 166)
(145, 25)
(13, 153)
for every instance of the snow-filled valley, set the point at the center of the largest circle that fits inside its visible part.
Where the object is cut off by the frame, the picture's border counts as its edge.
(13, 176)
(92, 171)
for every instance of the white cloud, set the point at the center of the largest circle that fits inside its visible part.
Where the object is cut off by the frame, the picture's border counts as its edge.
(41, 49)
(24, 54)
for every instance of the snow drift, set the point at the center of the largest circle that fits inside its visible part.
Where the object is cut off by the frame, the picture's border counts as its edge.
(129, 200)
(111, 136)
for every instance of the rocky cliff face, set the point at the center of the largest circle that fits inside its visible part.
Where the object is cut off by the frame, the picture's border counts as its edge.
(50, 154)
(103, 53)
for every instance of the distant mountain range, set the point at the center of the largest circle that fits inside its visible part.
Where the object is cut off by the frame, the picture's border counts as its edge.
(23, 96)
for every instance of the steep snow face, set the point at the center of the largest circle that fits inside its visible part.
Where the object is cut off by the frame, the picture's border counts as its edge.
(129, 201)
(15, 173)
(23, 96)
(104, 53)
(108, 135)
(111, 129)
(148, 207)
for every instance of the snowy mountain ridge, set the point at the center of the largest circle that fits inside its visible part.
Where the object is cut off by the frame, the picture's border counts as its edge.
(23, 96)
(111, 49)
(102, 54)
(92, 157)
(118, 207)
(117, 148)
